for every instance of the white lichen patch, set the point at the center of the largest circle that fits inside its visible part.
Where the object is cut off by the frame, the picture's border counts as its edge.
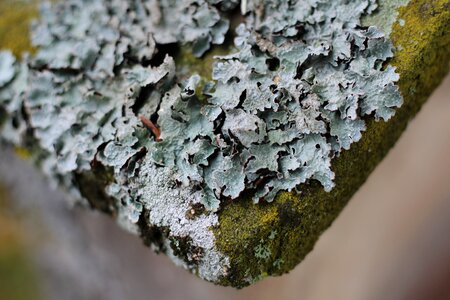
(169, 206)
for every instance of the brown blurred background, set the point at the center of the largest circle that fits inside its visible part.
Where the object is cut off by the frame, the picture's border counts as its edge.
(392, 241)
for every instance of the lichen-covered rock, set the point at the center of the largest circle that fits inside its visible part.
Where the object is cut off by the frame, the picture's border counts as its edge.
(117, 122)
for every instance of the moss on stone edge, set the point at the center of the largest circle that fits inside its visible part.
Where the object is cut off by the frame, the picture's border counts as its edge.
(422, 59)
(19, 13)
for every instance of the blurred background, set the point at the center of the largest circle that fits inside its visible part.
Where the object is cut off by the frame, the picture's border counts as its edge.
(392, 241)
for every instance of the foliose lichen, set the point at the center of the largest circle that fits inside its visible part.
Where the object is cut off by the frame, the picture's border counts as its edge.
(289, 99)
(100, 90)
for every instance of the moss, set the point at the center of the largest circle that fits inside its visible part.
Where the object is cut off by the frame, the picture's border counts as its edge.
(422, 61)
(188, 64)
(15, 18)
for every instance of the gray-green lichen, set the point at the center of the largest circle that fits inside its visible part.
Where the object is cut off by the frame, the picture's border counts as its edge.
(386, 15)
(282, 105)
(101, 91)
(167, 204)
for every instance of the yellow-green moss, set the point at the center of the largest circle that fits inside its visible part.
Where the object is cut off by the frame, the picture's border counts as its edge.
(15, 18)
(422, 61)
(188, 64)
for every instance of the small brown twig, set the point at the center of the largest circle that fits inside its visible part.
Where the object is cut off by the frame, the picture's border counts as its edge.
(153, 128)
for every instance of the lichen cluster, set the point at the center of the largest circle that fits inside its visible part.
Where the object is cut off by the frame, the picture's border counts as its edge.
(290, 98)
(292, 95)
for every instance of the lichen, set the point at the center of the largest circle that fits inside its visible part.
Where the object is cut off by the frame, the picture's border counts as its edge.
(283, 104)
(276, 114)
(262, 251)
(168, 206)
(386, 16)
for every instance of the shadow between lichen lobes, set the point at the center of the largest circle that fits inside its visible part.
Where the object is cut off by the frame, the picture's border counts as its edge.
(422, 60)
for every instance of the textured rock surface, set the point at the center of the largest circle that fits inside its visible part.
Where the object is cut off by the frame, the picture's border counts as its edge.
(258, 247)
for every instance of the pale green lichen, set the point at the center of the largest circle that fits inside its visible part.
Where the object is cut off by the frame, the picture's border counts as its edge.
(295, 93)
(264, 128)
(7, 61)
(262, 251)
(273, 235)
(385, 15)
(278, 263)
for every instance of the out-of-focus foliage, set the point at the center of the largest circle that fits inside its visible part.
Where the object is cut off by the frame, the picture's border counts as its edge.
(18, 279)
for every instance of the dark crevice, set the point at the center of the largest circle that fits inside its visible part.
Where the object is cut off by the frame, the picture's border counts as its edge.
(162, 50)
(152, 235)
(143, 96)
(273, 63)
(3, 116)
(183, 248)
(92, 185)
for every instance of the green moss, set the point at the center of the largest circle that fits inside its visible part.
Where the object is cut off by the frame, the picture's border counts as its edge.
(15, 18)
(188, 64)
(422, 62)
